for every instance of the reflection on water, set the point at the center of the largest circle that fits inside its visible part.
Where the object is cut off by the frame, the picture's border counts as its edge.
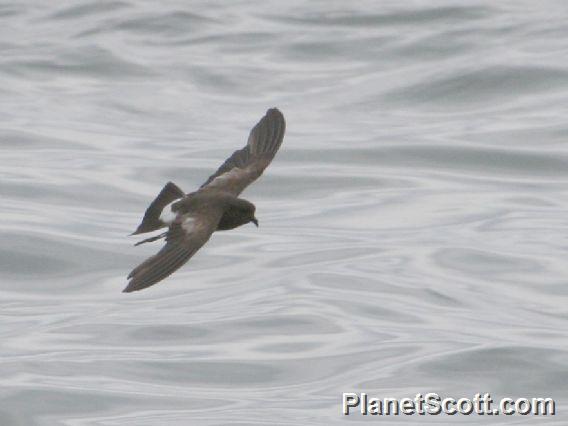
(413, 227)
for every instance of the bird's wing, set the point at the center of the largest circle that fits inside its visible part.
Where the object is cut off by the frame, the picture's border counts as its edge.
(248, 163)
(187, 233)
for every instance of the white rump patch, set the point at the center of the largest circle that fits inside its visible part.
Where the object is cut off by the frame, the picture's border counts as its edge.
(167, 216)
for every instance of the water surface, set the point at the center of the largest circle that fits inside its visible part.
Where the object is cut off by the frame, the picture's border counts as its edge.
(413, 229)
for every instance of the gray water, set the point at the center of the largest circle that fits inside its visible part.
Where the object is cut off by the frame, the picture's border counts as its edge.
(413, 229)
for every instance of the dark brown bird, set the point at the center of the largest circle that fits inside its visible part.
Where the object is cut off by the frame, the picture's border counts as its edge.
(215, 206)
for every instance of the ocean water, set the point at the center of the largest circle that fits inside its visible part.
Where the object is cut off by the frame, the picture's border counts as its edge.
(413, 228)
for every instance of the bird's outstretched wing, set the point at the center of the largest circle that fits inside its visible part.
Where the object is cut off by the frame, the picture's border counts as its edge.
(186, 235)
(248, 163)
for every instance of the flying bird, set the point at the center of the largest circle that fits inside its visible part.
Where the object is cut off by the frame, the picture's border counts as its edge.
(215, 206)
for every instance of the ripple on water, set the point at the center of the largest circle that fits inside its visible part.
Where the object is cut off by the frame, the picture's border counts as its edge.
(484, 263)
(490, 85)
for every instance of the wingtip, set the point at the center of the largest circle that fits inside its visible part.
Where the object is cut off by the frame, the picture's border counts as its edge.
(129, 288)
(274, 111)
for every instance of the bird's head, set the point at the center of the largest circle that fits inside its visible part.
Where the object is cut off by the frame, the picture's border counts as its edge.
(250, 212)
(243, 212)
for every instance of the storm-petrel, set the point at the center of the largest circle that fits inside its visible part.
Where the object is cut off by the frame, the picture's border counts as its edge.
(215, 206)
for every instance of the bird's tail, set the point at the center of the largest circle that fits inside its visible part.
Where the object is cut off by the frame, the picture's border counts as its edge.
(151, 221)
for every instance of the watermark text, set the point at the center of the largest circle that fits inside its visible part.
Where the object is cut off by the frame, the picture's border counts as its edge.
(433, 404)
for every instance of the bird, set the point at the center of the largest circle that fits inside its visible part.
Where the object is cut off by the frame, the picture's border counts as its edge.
(192, 218)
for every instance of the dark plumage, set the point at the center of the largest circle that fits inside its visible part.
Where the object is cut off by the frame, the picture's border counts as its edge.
(215, 206)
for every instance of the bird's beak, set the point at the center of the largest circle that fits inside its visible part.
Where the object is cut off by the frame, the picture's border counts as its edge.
(255, 221)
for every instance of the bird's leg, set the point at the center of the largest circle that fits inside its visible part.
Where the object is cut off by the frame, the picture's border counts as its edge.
(149, 240)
